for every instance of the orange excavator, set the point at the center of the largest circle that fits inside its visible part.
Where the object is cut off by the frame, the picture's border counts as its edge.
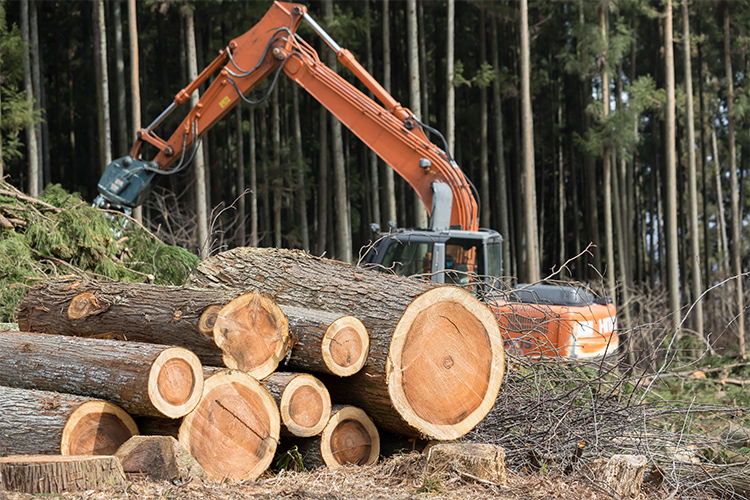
(537, 320)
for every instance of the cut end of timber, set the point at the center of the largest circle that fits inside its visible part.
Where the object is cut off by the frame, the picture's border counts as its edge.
(207, 321)
(83, 305)
(305, 406)
(97, 428)
(350, 437)
(234, 430)
(345, 346)
(253, 334)
(175, 383)
(446, 363)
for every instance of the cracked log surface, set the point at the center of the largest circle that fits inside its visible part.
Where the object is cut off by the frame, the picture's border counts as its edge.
(436, 357)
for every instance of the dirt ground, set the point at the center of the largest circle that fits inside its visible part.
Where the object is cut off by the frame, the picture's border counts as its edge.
(394, 479)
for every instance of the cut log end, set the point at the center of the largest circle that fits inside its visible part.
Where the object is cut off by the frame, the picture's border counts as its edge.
(207, 320)
(83, 305)
(39, 474)
(175, 382)
(446, 363)
(345, 346)
(234, 430)
(253, 333)
(96, 428)
(350, 437)
(305, 406)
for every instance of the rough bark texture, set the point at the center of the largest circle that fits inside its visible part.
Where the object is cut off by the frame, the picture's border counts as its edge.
(48, 423)
(143, 379)
(478, 461)
(622, 474)
(126, 311)
(234, 431)
(57, 474)
(436, 358)
(303, 400)
(160, 458)
(349, 437)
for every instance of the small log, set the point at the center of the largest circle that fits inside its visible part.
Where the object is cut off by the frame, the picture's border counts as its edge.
(159, 458)
(480, 462)
(49, 423)
(303, 400)
(253, 333)
(326, 342)
(143, 379)
(436, 357)
(621, 474)
(349, 437)
(39, 474)
(234, 430)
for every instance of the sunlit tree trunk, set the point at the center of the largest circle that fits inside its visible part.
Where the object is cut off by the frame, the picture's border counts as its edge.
(37, 85)
(372, 158)
(734, 187)
(450, 125)
(31, 138)
(201, 198)
(135, 86)
(105, 131)
(670, 221)
(529, 192)
(389, 190)
(412, 35)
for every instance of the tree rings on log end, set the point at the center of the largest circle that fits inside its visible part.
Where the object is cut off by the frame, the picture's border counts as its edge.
(350, 437)
(253, 334)
(96, 428)
(37, 474)
(175, 382)
(345, 346)
(305, 406)
(234, 430)
(446, 363)
(207, 321)
(83, 305)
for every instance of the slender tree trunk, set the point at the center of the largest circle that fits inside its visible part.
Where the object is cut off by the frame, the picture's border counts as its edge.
(323, 183)
(105, 124)
(122, 129)
(415, 100)
(31, 138)
(704, 174)
(390, 182)
(36, 83)
(484, 172)
(253, 183)
(607, 159)
(201, 195)
(670, 221)
(695, 254)
(135, 86)
(723, 249)
(241, 205)
(278, 177)
(450, 113)
(529, 191)
(501, 187)
(301, 195)
(371, 156)
(734, 188)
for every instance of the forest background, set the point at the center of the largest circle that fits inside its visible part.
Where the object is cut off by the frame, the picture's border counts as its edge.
(637, 113)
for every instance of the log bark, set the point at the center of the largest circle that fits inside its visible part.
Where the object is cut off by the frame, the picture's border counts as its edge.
(349, 437)
(49, 423)
(234, 430)
(326, 342)
(622, 474)
(304, 402)
(484, 463)
(143, 379)
(38, 474)
(436, 357)
(159, 458)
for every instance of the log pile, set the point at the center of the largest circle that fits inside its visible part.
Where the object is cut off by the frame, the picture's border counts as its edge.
(256, 346)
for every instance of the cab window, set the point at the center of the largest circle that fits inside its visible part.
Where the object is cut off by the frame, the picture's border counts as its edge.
(407, 259)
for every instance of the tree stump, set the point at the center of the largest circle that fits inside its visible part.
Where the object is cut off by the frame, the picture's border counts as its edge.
(303, 400)
(39, 474)
(436, 357)
(49, 423)
(234, 430)
(160, 458)
(143, 379)
(349, 437)
(473, 461)
(622, 474)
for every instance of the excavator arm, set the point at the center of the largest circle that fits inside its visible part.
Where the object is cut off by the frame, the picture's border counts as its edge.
(272, 46)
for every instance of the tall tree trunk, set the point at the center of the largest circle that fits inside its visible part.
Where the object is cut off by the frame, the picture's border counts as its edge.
(278, 177)
(390, 182)
(501, 188)
(135, 86)
(450, 113)
(695, 254)
(253, 183)
(201, 196)
(371, 156)
(37, 85)
(323, 182)
(734, 188)
(670, 221)
(415, 100)
(484, 171)
(704, 174)
(241, 205)
(31, 138)
(301, 195)
(105, 131)
(607, 158)
(723, 250)
(529, 190)
(122, 129)
(621, 222)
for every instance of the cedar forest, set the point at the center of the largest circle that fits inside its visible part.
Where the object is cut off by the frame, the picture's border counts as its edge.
(641, 133)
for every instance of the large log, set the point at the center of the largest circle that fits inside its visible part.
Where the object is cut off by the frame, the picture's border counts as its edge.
(143, 379)
(303, 400)
(349, 437)
(234, 430)
(49, 423)
(39, 474)
(436, 357)
(179, 316)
